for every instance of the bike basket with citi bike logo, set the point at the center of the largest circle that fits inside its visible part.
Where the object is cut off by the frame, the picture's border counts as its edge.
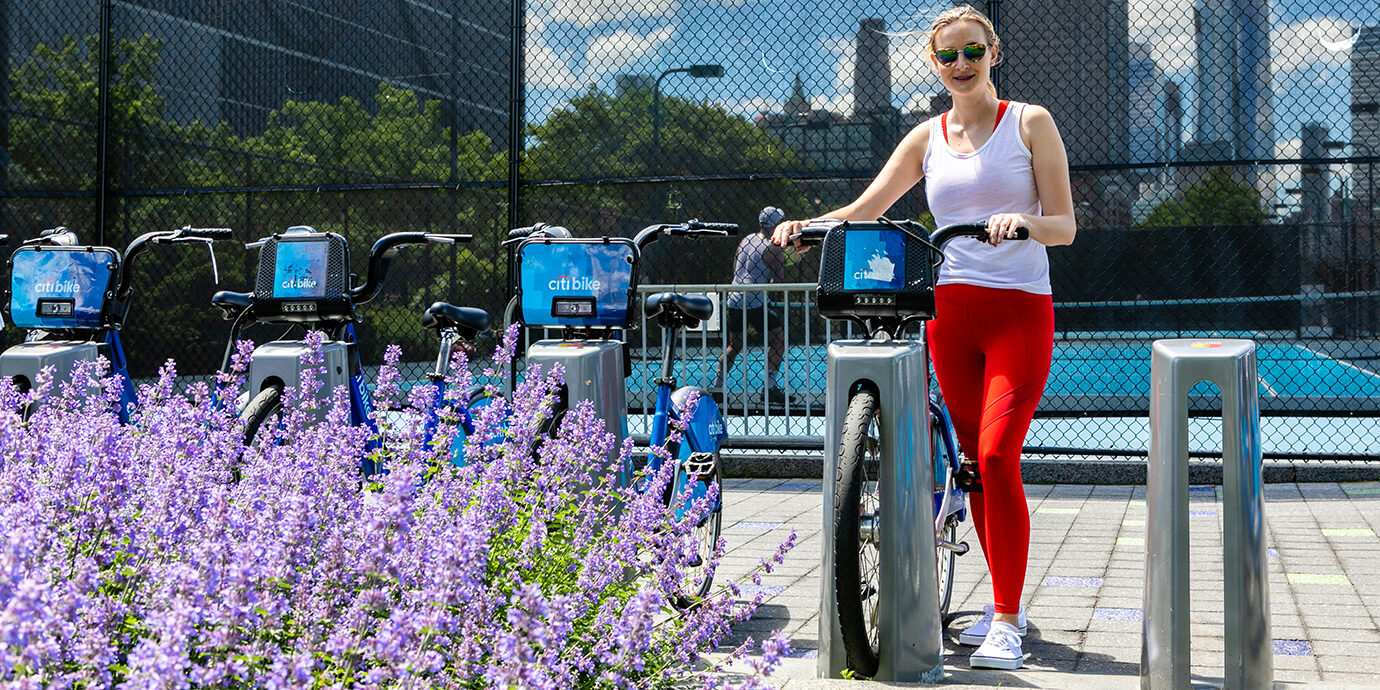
(576, 283)
(62, 287)
(879, 269)
(303, 276)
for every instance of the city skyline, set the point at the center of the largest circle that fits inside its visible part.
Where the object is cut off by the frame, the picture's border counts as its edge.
(1307, 83)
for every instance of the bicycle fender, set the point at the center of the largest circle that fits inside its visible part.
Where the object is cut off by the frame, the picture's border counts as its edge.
(704, 428)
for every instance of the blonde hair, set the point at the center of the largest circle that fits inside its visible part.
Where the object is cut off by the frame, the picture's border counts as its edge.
(967, 13)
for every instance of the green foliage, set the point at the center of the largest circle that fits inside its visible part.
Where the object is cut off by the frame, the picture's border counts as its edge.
(398, 138)
(601, 136)
(1217, 200)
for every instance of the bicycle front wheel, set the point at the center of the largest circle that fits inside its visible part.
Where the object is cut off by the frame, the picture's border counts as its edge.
(857, 562)
(704, 467)
(267, 405)
(945, 560)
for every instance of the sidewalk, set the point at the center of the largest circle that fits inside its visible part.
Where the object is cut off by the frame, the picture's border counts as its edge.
(1085, 578)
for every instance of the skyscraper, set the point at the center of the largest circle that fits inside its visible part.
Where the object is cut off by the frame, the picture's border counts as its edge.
(1071, 56)
(1151, 140)
(238, 62)
(1232, 71)
(1365, 110)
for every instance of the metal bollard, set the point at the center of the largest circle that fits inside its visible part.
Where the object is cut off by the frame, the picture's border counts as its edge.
(1175, 366)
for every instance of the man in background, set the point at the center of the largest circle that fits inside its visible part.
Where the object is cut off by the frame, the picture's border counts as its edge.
(757, 261)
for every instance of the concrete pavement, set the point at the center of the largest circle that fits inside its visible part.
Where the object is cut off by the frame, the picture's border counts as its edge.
(1085, 578)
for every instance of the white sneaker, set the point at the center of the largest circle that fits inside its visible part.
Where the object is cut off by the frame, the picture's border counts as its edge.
(1001, 649)
(977, 632)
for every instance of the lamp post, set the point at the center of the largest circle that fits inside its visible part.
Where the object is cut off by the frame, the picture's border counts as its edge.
(695, 71)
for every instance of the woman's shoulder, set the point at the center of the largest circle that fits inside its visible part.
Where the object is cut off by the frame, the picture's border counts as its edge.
(1037, 123)
(918, 138)
(1034, 115)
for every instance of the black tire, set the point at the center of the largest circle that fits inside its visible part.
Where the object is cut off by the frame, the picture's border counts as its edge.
(944, 558)
(707, 532)
(262, 407)
(856, 557)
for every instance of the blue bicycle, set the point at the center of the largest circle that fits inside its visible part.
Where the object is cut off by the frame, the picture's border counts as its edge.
(74, 300)
(880, 276)
(584, 288)
(304, 282)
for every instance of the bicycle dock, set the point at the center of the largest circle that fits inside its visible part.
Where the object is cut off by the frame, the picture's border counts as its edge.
(1176, 365)
(910, 645)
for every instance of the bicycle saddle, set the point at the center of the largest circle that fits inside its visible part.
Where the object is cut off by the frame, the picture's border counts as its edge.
(689, 309)
(232, 303)
(467, 320)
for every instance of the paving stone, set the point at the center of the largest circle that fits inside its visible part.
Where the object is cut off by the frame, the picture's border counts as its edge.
(1334, 608)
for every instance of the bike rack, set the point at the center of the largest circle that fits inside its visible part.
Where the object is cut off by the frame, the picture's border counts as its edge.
(1175, 366)
(594, 371)
(909, 630)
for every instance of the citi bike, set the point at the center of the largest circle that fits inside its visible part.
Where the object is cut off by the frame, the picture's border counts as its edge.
(586, 288)
(304, 281)
(74, 300)
(889, 586)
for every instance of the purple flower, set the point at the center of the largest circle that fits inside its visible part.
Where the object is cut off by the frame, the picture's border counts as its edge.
(133, 555)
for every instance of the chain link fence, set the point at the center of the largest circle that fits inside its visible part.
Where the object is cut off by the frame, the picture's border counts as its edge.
(1222, 154)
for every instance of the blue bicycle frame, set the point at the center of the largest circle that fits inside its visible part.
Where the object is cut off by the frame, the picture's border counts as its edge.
(704, 433)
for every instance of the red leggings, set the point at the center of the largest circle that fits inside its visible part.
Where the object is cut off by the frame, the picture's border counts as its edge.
(992, 351)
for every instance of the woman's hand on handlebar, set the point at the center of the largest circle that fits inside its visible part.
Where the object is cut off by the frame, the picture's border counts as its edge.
(1002, 226)
(787, 229)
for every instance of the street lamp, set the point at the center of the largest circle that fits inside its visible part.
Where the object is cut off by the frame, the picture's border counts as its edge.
(695, 71)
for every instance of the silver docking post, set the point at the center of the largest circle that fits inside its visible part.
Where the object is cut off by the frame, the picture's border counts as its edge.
(909, 630)
(1175, 366)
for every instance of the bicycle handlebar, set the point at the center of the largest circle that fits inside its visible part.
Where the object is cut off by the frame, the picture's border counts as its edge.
(690, 228)
(382, 253)
(138, 246)
(205, 233)
(536, 230)
(815, 231)
(974, 230)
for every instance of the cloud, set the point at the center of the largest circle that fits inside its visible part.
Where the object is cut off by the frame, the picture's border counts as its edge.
(563, 68)
(1174, 52)
(588, 13)
(1297, 46)
(622, 49)
(547, 68)
(910, 65)
(1149, 20)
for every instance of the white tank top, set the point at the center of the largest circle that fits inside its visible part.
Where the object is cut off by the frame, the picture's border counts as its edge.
(970, 187)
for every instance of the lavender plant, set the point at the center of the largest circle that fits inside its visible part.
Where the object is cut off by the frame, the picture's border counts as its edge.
(165, 553)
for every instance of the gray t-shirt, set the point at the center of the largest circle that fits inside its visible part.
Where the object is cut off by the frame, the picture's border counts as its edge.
(757, 261)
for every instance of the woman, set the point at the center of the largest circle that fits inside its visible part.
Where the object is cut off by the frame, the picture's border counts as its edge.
(993, 335)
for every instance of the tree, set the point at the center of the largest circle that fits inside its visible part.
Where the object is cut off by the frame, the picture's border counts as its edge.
(1215, 201)
(606, 136)
(396, 139)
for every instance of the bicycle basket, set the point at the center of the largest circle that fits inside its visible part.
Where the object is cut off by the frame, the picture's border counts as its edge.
(303, 277)
(61, 287)
(576, 283)
(874, 270)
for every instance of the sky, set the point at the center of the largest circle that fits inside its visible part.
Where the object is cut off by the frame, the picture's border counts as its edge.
(765, 44)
